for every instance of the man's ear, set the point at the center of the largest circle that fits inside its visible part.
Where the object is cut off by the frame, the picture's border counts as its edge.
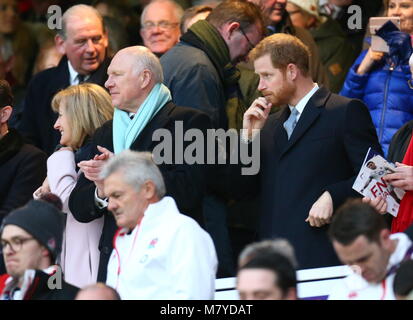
(149, 190)
(5, 114)
(46, 253)
(60, 44)
(291, 71)
(385, 238)
(146, 78)
(228, 29)
(106, 39)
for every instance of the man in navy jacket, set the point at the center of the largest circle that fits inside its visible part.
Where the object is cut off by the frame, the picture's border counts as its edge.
(83, 42)
(311, 151)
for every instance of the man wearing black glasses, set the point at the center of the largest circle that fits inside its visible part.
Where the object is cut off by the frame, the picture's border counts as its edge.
(200, 70)
(201, 73)
(31, 241)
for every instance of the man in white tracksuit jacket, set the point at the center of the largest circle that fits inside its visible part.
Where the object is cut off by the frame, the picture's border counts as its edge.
(362, 240)
(158, 252)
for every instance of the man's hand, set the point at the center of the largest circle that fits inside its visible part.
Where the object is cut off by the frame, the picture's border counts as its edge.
(92, 168)
(106, 154)
(402, 177)
(256, 115)
(322, 211)
(378, 203)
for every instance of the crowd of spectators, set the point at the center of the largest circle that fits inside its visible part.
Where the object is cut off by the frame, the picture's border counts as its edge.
(103, 102)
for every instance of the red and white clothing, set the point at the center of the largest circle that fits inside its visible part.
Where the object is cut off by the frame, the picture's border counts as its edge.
(405, 215)
(167, 256)
(354, 287)
(37, 285)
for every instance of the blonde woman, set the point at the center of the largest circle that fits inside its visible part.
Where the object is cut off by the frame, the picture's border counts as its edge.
(82, 109)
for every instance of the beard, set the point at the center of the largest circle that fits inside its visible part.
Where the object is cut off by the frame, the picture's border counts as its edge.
(280, 96)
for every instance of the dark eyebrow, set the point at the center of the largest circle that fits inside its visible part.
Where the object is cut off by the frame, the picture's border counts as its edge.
(364, 258)
(13, 238)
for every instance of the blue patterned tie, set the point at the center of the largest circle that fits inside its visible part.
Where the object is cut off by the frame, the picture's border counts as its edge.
(289, 125)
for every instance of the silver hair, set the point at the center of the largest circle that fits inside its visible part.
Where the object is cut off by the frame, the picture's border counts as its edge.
(281, 246)
(179, 12)
(136, 168)
(75, 10)
(145, 59)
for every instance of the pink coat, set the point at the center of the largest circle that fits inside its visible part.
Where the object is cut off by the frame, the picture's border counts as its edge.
(80, 253)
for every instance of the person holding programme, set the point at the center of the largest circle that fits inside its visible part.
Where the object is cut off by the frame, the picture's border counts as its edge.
(311, 150)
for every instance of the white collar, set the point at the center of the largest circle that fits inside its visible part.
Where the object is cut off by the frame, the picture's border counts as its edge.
(303, 102)
(402, 246)
(153, 212)
(73, 74)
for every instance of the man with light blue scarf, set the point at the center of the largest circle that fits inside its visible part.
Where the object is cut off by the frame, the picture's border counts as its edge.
(142, 105)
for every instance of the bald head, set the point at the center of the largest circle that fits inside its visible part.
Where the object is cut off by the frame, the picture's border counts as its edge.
(98, 291)
(133, 73)
(141, 58)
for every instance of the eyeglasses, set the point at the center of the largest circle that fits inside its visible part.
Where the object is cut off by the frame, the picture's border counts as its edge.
(251, 46)
(15, 244)
(161, 24)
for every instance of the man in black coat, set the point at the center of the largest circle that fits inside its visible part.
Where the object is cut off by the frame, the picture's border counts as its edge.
(311, 151)
(142, 107)
(83, 42)
(22, 166)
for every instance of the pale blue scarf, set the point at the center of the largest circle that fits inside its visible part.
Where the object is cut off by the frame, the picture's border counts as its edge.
(125, 130)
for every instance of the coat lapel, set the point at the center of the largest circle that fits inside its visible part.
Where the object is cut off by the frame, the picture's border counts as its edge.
(309, 116)
(60, 81)
(280, 135)
(144, 140)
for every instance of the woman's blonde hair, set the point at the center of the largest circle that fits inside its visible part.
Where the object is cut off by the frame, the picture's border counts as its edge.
(88, 106)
